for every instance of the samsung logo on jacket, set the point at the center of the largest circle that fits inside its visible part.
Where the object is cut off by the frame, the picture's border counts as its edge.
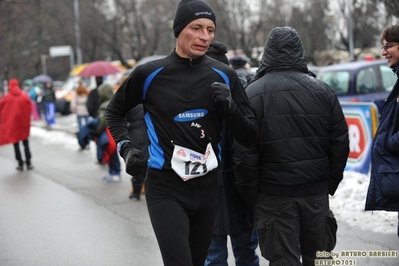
(190, 115)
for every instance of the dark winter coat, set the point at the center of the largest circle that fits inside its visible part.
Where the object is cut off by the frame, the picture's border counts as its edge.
(232, 214)
(88, 133)
(93, 103)
(49, 95)
(383, 191)
(105, 94)
(103, 141)
(303, 140)
(244, 74)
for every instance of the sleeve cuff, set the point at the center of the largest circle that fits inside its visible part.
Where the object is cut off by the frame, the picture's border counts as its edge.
(120, 144)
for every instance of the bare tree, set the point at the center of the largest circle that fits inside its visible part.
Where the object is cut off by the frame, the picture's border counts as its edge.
(133, 29)
(30, 29)
(10, 28)
(392, 7)
(245, 25)
(145, 26)
(311, 22)
(366, 17)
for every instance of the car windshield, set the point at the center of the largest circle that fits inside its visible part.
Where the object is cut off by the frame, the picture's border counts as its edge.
(338, 80)
(366, 81)
(388, 78)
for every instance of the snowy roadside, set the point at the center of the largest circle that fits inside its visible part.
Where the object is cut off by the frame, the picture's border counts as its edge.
(348, 205)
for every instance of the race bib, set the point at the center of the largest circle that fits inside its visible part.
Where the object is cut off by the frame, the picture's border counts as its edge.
(189, 164)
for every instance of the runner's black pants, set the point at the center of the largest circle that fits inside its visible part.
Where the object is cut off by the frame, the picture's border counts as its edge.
(182, 214)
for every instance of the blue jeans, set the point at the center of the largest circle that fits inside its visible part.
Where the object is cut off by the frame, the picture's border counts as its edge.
(101, 141)
(114, 164)
(243, 244)
(82, 120)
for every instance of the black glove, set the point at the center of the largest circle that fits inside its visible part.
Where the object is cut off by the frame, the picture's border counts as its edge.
(134, 159)
(221, 97)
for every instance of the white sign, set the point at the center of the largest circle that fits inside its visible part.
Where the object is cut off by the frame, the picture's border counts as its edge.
(60, 50)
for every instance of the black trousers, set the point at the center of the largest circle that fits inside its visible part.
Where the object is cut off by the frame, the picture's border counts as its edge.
(182, 215)
(137, 182)
(291, 229)
(18, 155)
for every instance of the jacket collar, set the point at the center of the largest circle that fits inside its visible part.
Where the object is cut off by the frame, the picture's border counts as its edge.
(191, 63)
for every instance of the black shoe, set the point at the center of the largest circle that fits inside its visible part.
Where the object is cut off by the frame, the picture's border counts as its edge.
(135, 196)
(100, 162)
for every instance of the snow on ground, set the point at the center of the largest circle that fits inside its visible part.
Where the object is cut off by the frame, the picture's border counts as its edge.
(66, 140)
(55, 137)
(347, 203)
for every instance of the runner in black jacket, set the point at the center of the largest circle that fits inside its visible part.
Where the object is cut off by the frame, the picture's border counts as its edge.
(184, 110)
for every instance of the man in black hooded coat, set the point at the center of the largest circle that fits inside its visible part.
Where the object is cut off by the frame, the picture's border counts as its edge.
(300, 157)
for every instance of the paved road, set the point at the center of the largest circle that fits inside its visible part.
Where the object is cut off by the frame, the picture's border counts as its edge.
(62, 213)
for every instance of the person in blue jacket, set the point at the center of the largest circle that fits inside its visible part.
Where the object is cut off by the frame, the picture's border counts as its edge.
(383, 190)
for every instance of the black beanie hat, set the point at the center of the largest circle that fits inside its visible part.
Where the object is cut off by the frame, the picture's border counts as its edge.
(189, 10)
(238, 61)
(217, 51)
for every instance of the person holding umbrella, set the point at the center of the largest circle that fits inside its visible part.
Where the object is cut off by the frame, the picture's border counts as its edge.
(98, 69)
(93, 99)
(93, 105)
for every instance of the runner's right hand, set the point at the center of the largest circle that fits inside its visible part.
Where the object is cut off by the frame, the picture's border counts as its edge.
(134, 159)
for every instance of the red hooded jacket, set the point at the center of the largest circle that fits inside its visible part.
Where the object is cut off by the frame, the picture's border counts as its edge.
(15, 115)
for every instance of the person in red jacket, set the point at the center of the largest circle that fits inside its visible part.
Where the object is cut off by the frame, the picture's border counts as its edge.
(15, 113)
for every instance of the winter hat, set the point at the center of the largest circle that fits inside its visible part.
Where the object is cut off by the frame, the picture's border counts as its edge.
(189, 10)
(238, 61)
(217, 51)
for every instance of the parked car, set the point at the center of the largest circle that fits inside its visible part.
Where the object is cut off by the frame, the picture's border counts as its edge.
(361, 81)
